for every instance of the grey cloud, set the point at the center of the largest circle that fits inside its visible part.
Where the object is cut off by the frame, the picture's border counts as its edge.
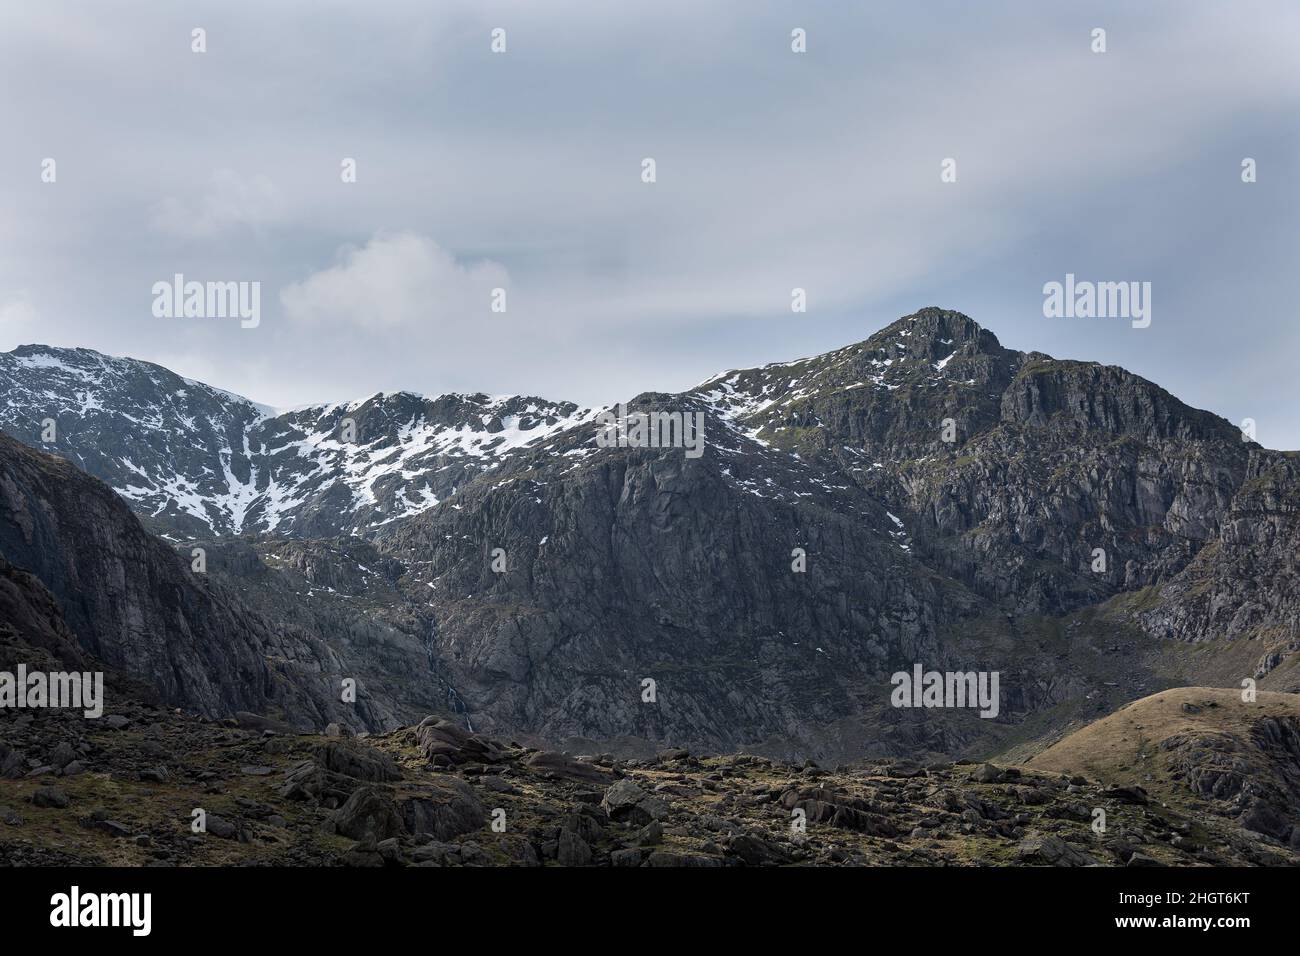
(775, 171)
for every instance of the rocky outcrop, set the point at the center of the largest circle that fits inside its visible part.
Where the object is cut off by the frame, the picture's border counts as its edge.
(1241, 584)
(1257, 775)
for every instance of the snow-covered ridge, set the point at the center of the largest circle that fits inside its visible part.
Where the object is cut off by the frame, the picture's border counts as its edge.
(203, 460)
(95, 370)
(747, 398)
(215, 462)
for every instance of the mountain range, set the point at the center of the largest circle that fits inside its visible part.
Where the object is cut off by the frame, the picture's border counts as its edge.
(925, 496)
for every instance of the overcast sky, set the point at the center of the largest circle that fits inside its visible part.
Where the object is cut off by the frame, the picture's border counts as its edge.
(775, 170)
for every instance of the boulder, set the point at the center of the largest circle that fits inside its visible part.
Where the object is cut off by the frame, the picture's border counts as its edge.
(625, 801)
(443, 807)
(357, 760)
(51, 797)
(369, 812)
(1051, 850)
(443, 742)
(572, 850)
(546, 761)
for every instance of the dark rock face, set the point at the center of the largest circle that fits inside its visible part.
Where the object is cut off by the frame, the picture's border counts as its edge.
(1048, 460)
(633, 564)
(643, 567)
(133, 603)
(341, 595)
(122, 591)
(30, 619)
(1241, 584)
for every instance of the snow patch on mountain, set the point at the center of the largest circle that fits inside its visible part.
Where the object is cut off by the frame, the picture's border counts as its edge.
(178, 449)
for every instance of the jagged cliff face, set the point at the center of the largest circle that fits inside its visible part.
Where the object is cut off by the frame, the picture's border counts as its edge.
(977, 552)
(1242, 583)
(636, 565)
(137, 605)
(1048, 460)
(926, 496)
(31, 624)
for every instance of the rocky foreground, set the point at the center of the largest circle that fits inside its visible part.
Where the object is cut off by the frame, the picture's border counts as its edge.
(127, 790)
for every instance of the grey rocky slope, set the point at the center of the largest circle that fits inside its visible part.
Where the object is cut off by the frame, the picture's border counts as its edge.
(628, 564)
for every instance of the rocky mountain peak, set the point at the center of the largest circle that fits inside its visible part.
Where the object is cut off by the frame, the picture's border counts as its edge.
(933, 330)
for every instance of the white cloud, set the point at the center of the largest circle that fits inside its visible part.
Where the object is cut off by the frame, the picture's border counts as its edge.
(396, 280)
